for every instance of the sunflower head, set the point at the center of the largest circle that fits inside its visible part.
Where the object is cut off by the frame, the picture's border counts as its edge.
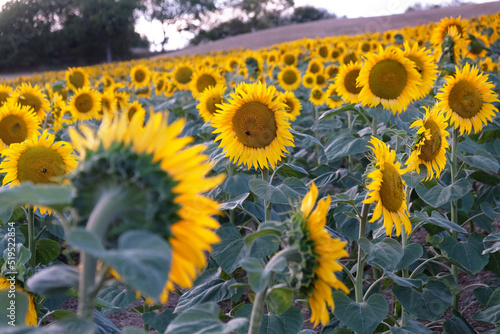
(293, 104)
(76, 78)
(314, 276)
(33, 97)
(4, 93)
(140, 76)
(17, 124)
(85, 103)
(203, 79)
(346, 82)
(182, 76)
(317, 96)
(387, 189)
(209, 99)
(425, 66)
(25, 311)
(289, 78)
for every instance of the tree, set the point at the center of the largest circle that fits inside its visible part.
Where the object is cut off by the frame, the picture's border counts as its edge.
(309, 13)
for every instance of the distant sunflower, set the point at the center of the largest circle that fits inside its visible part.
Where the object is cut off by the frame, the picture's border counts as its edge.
(442, 29)
(388, 78)
(289, 58)
(425, 66)
(31, 316)
(135, 108)
(85, 104)
(32, 96)
(345, 82)
(431, 144)
(332, 100)
(160, 83)
(169, 179)
(4, 93)
(17, 124)
(182, 75)
(204, 78)
(289, 78)
(108, 104)
(140, 76)
(76, 78)
(317, 96)
(315, 275)
(315, 66)
(293, 105)
(308, 80)
(467, 99)
(320, 80)
(331, 71)
(209, 99)
(253, 126)
(387, 189)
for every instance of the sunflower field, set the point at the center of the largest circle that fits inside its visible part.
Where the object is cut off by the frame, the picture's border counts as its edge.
(348, 184)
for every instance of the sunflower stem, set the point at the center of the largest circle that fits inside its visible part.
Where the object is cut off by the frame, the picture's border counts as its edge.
(267, 204)
(454, 212)
(374, 127)
(256, 316)
(146, 310)
(230, 172)
(358, 289)
(349, 126)
(30, 217)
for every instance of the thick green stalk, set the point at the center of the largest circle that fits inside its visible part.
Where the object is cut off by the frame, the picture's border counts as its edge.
(374, 127)
(257, 308)
(358, 289)
(349, 126)
(230, 173)
(267, 204)
(30, 217)
(454, 212)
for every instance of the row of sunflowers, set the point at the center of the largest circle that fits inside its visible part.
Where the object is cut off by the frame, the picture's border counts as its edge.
(232, 192)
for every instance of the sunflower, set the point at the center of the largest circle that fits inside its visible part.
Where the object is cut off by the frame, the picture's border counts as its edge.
(331, 71)
(289, 78)
(182, 74)
(20, 295)
(169, 178)
(4, 93)
(317, 96)
(160, 83)
(345, 82)
(315, 66)
(332, 100)
(135, 108)
(61, 114)
(17, 124)
(234, 64)
(32, 96)
(253, 126)
(108, 104)
(308, 80)
(350, 57)
(289, 58)
(320, 80)
(424, 64)
(140, 76)
(387, 189)
(476, 50)
(315, 275)
(388, 78)
(209, 99)
(204, 78)
(293, 104)
(467, 99)
(442, 29)
(431, 144)
(85, 104)
(76, 78)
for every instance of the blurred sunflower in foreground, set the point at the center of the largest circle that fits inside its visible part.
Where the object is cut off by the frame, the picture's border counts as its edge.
(24, 303)
(162, 181)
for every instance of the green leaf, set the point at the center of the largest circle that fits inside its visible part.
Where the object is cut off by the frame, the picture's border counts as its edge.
(4, 237)
(408, 282)
(491, 313)
(5, 215)
(262, 232)
(485, 177)
(430, 303)
(482, 160)
(467, 253)
(229, 252)
(294, 189)
(411, 253)
(258, 277)
(483, 294)
(289, 322)
(47, 250)
(233, 203)
(62, 314)
(267, 192)
(54, 196)
(159, 321)
(362, 317)
(311, 138)
(439, 220)
(412, 179)
(386, 252)
(214, 290)
(495, 238)
(439, 195)
(141, 258)
(333, 112)
(117, 297)
(411, 327)
(457, 324)
(329, 178)
(289, 170)
(279, 300)
(203, 318)
(56, 279)
(345, 144)
(489, 211)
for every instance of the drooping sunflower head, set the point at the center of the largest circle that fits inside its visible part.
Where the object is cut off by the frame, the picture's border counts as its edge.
(85, 103)
(25, 311)
(204, 78)
(289, 78)
(140, 76)
(387, 189)
(209, 99)
(430, 144)
(4, 93)
(165, 180)
(76, 78)
(388, 78)
(293, 105)
(17, 124)
(467, 99)
(314, 277)
(346, 82)
(425, 66)
(32, 96)
(253, 126)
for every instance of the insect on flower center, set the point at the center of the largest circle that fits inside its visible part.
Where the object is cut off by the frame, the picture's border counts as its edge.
(77, 79)
(419, 65)
(255, 125)
(40, 164)
(388, 79)
(31, 100)
(183, 75)
(205, 81)
(13, 129)
(465, 99)
(84, 103)
(350, 82)
(391, 189)
(289, 77)
(431, 147)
